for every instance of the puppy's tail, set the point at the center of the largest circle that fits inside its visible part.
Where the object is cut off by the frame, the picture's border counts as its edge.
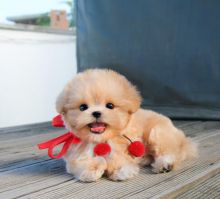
(189, 149)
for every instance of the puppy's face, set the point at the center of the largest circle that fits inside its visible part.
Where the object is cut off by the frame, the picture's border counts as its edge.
(97, 104)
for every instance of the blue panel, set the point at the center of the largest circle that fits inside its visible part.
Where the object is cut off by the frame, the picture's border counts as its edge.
(169, 48)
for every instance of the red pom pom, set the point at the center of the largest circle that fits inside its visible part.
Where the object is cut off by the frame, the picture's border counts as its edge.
(102, 149)
(57, 121)
(136, 148)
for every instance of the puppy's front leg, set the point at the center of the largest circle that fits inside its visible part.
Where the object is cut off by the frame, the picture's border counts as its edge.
(85, 167)
(87, 170)
(121, 167)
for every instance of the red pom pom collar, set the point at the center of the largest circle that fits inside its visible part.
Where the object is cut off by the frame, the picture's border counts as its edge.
(135, 148)
(102, 149)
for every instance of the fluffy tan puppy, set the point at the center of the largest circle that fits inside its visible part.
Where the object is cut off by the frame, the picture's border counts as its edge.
(102, 106)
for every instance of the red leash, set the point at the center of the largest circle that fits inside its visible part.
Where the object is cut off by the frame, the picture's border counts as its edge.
(68, 139)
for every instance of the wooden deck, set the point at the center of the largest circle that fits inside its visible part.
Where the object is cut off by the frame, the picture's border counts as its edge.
(26, 172)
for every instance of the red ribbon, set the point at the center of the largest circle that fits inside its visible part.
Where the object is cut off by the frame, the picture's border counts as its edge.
(68, 139)
(135, 148)
(57, 121)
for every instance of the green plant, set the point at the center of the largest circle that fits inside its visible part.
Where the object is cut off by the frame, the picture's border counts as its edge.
(43, 21)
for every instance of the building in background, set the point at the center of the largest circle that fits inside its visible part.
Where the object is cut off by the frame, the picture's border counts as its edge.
(56, 19)
(41, 19)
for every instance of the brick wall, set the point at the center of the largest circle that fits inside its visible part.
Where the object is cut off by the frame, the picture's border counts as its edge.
(58, 19)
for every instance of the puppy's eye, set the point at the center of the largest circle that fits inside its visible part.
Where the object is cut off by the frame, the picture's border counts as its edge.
(109, 105)
(83, 107)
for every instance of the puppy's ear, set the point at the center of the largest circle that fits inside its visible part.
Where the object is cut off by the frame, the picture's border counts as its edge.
(61, 101)
(133, 99)
(63, 97)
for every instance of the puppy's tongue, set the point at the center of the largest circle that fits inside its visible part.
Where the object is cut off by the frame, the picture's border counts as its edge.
(97, 127)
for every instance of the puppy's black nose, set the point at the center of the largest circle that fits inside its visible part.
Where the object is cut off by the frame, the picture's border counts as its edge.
(96, 114)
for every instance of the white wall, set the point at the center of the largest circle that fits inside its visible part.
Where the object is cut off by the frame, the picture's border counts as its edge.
(34, 67)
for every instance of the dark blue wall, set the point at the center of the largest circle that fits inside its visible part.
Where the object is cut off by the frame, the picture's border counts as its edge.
(169, 48)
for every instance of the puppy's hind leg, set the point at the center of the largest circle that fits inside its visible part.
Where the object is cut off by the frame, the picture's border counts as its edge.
(163, 151)
(163, 164)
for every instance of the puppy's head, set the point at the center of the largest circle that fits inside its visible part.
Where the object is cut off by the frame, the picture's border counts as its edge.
(97, 104)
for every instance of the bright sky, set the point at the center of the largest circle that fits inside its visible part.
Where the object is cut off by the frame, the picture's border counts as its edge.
(23, 7)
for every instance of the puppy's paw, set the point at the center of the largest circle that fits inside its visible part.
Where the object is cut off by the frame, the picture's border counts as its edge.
(87, 170)
(90, 175)
(125, 172)
(163, 164)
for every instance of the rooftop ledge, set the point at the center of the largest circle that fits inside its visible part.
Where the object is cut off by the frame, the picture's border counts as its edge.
(33, 28)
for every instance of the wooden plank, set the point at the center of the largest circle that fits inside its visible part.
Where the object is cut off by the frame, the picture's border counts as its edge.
(20, 149)
(25, 152)
(190, 183)
(208, 189)
(27, 127)
(182, 122)
(27, 179)
(199, 127)
(145, 184)
(21, 138)
(191, 177)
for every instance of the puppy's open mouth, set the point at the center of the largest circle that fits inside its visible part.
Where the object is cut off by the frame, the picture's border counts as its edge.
(97, 127)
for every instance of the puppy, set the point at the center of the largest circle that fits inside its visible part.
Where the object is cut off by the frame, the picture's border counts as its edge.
(102, 106)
